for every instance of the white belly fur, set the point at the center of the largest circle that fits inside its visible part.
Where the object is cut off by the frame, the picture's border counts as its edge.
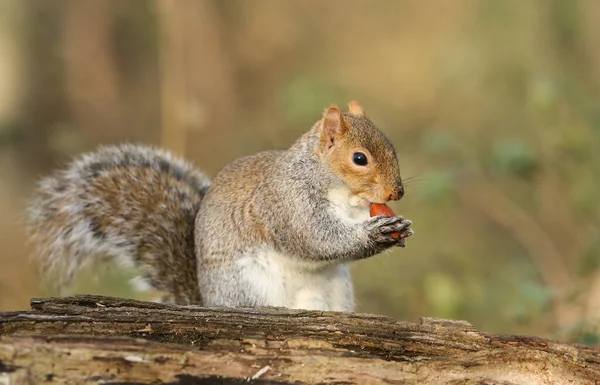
(288, 282)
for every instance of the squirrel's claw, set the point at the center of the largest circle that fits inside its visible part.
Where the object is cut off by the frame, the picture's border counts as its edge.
(397, 227)
(403, 235)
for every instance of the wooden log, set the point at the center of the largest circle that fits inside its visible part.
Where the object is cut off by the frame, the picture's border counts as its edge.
(91, 339)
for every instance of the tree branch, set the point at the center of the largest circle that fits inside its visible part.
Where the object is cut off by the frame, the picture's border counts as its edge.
(90, 339)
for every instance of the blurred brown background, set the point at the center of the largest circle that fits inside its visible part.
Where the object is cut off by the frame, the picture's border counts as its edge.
(493, 106)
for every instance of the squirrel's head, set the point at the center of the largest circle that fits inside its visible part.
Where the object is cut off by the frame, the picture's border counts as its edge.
(359, 154)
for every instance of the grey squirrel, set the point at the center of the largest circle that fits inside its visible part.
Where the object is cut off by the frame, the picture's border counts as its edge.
(277, 228)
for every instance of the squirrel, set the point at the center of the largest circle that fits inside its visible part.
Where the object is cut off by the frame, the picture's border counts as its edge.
(278, 228)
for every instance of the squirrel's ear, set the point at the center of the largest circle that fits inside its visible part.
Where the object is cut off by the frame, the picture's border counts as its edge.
(333, 126)
(356, 109)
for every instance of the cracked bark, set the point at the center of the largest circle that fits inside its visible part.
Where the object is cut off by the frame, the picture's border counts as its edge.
(92, 339)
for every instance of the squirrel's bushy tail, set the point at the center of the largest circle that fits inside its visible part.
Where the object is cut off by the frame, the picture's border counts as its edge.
(134, 204)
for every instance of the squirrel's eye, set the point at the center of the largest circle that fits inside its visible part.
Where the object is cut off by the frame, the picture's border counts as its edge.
(359, 159)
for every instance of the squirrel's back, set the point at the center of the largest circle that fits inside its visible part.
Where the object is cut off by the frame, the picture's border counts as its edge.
(134, 204)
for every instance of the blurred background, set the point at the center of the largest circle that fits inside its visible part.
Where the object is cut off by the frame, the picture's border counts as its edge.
(493, 106)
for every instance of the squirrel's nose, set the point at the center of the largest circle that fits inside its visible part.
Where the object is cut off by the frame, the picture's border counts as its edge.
(397, 194)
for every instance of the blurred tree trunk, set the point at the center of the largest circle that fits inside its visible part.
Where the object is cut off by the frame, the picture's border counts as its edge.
(198, 91)
(12, 74)
(91, 75)
(43, 104)
(143, 342)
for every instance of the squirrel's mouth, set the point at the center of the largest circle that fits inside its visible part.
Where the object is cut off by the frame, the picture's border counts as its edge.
(366, 200)
(378, 197)
(362, 201)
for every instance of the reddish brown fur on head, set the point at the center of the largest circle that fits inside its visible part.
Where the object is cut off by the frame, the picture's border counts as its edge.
(345, 134)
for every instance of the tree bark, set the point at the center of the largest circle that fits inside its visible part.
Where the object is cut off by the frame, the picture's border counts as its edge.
(92, 339)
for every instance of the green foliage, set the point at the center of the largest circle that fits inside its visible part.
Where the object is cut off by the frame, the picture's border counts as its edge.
(585, 200)
(591, 258)
(9, 134)
(589, 338)
(514, 157)
(543, 93)
(443, 295)
(566, 17)
(440, 143)
(106, 278)
(305, 96)
(437, 186)
(575, 146)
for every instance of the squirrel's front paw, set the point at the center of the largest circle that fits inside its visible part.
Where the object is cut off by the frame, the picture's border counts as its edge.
(390, 231)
